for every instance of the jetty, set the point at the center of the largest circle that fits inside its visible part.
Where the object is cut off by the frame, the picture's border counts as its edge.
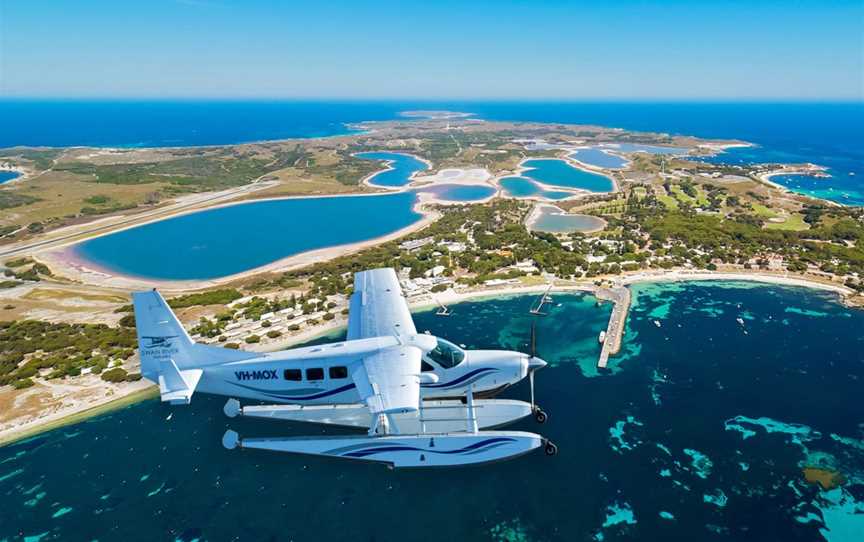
(620, 296)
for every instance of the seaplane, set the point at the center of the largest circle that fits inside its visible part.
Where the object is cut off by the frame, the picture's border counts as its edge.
(423, 401)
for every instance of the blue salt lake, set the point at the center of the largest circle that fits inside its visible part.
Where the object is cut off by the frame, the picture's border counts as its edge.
(556, 172)
(522, 187)
(458, 192)
(403, 166)
(596, 157)
(236, 238)
(228, 240)
(6, 176)
(553, 220)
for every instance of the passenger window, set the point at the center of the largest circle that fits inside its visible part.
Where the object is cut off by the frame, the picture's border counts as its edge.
(315, 374)
(339, 372)
(293, 375)
(425, 367)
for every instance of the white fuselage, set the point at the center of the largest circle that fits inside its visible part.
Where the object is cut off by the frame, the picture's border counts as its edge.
(322, 374)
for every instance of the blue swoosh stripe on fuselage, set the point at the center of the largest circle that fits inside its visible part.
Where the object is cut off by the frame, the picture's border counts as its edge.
(459, 380)
(472, 448)
(319, 395)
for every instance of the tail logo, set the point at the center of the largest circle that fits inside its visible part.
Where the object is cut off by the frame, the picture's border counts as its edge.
(159, 342)
(158, 347)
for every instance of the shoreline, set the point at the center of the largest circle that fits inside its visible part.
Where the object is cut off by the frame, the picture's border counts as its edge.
(388, 166)
(66, 264)
(448, 297)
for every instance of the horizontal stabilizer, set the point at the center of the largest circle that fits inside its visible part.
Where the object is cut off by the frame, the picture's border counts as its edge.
(176, 386)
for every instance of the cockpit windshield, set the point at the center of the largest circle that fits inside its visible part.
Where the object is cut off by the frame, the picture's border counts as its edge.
(446, 354)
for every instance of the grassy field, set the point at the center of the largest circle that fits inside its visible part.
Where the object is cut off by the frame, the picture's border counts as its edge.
(793, 222)
(62, 194)
(668, 201)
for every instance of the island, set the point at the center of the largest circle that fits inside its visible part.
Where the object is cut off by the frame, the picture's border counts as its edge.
(467, 209)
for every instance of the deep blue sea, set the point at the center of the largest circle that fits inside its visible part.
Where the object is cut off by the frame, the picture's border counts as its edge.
(698, 433)
(829, 134)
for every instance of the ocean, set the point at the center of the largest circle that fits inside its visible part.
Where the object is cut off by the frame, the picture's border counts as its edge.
(828, 134)
(700, 431)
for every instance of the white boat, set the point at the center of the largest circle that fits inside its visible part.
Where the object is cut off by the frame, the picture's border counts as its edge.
(740, 320)
(657, 323)
(602, 337)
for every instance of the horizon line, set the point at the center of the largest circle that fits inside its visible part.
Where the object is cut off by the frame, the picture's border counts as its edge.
(671, 99)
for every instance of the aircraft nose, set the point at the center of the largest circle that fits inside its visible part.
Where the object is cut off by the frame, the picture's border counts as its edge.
(535, 363)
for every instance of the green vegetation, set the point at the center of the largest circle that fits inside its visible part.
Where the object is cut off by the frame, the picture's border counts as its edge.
(19, 262)
(97, 200)
(212, 297)
(29, 347)
(8, 230)
(33, 273)
(349, 170)
(41, 158)
(118, 374)
(10, 199)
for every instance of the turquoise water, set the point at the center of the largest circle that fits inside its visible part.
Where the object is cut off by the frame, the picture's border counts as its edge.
(228, 240)
(403, 166)
(598, 158)
(555, 172)
(822, 187)
(8, 176)
(553, 220)
(522, 187)
(459, 192)
(698, 432)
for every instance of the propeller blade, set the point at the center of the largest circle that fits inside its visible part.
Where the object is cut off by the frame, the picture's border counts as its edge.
(531, 384)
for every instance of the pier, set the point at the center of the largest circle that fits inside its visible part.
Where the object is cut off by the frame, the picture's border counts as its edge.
(620, 296)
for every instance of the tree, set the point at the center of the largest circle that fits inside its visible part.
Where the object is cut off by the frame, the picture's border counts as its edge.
(116, 374)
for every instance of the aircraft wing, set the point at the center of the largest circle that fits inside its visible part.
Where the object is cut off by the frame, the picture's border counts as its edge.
(378, 307)
(389, 379)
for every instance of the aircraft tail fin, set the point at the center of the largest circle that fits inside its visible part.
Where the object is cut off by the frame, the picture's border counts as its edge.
(168, 355)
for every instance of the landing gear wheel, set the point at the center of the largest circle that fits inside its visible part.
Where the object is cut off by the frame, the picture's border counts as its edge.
(540, 416)
(550, 448)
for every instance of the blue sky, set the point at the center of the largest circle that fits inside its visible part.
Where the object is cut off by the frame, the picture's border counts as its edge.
(437, 49)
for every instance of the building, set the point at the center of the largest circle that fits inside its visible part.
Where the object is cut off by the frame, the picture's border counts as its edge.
(416, 243)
